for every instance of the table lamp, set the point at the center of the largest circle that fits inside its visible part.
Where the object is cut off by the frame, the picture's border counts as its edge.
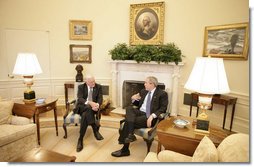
(27, 65)
(208, 77)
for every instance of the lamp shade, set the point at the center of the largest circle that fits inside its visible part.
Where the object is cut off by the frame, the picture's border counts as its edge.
(208, 76)
(27, 65)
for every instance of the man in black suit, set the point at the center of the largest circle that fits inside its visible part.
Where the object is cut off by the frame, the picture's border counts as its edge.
(151, 102)
(88, 103)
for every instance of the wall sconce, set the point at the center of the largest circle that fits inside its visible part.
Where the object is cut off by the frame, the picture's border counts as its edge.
(208, 77)
(27, 65)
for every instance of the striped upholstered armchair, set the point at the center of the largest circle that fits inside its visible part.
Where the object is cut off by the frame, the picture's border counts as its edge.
(70, 118)
(148, 134)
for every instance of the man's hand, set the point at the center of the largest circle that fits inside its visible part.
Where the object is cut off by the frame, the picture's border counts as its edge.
(94, 106)
(149, 121)
(136, 97)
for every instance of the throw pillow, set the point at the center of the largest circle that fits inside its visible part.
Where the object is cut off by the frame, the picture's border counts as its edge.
(5, 111)
(234, 148)
(205, 152)
(16, 120)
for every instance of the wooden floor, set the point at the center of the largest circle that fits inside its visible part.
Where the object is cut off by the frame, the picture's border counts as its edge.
(93, 151)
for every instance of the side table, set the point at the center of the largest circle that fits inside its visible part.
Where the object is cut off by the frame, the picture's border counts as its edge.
(222, 100)
(34, 110)
(185, 140)
(67, 85)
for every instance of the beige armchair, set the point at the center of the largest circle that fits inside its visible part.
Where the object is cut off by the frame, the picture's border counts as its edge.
(234, 148)
(17, 135)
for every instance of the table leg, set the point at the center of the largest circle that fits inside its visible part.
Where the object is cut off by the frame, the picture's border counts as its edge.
(232, 116)
(159, 147)
(191, 106)
(38, 127)
(55, 115)
(66, 95)
(225, 115)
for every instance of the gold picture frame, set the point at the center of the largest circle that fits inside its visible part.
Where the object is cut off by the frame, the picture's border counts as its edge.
(147, 23)
(229, 41)
(80, 53)
(80, 30)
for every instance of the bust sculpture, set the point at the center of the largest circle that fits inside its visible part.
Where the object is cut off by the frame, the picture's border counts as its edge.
(79, 76)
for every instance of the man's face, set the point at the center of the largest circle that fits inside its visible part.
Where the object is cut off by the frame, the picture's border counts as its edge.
(90, 82)
(148, 85)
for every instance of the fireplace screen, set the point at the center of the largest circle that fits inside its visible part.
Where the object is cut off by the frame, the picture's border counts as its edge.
(131, 87)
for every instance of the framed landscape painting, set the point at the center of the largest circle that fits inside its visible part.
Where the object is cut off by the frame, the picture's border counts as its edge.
(227, 41)
(147, 23)
(80, 54)
(80, 30)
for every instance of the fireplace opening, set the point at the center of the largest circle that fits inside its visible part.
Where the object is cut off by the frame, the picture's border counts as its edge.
(131, 87)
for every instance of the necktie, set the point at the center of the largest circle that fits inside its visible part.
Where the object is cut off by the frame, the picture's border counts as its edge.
(90, 94)
(148, 105)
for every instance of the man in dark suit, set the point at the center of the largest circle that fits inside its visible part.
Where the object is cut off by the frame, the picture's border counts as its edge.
(151, 102)
(88, 103)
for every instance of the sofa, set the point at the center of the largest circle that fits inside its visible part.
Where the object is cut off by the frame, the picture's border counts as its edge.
(234, 148)
(18, 134)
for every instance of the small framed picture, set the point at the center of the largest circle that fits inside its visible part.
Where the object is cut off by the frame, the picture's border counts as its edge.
(80, 29)
(227, 41)
(80, 53)
(147, 23)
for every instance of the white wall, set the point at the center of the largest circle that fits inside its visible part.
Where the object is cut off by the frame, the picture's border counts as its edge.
(184, 24)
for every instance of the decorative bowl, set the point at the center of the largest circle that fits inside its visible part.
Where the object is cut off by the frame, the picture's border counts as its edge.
(181, 123)
(40, 100)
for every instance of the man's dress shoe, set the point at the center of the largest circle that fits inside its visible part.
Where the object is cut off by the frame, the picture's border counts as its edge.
(120, 153)
(98, 136)
(80, 145)
(130, 138)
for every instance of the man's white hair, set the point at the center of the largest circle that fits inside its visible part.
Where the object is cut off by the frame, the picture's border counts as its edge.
(89, 77)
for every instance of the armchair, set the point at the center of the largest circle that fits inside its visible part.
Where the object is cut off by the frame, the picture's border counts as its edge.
(148, 134)
(234, 148)
(71, 118)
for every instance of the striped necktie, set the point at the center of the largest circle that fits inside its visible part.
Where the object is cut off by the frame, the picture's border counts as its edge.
(90, 94)
(148, 105)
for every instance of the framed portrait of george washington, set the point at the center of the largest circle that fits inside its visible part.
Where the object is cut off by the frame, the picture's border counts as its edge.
(230, 41)
(147, 23)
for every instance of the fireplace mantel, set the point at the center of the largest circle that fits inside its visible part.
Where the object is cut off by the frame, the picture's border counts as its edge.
(131, 70)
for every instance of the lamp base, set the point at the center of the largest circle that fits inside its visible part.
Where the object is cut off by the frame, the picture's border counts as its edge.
(29, 96)
(202, 126)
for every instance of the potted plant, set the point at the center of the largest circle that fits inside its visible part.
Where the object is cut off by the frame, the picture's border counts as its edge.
(146, 53)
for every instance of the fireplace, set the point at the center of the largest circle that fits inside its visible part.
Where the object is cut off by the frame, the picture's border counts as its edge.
(168, 74)
(131, 87)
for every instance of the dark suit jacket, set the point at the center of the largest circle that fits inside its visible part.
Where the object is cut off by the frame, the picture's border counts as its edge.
(159, 101)
(83, 93)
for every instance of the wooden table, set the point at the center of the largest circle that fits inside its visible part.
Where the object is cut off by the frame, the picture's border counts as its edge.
(34, 110)
(41, 155)
(222, 100)
(185, 140)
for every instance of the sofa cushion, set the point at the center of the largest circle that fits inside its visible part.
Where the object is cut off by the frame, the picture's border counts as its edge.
(171, 156)
(234, 148)
(5, 111)
(16, 120)
(205, 152)
(10, 133)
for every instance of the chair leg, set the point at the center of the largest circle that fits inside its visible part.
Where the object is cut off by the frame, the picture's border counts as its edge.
(148, 144)
(65, 131)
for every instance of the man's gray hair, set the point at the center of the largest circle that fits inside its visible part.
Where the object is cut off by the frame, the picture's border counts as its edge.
(89, 77)
(153, 80)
